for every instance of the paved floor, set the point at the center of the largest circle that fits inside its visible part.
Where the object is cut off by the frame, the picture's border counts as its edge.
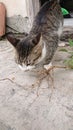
(21, 108)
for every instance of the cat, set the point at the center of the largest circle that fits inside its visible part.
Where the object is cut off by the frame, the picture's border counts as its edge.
(38, 48)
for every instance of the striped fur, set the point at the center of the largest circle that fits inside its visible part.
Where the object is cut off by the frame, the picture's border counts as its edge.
(40, 45)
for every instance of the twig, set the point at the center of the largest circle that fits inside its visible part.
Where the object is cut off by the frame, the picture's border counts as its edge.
(11, 81)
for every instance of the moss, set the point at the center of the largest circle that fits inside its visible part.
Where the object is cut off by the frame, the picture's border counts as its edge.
(64, 50)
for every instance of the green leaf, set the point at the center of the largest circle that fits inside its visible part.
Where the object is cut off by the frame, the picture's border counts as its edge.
(71, 42)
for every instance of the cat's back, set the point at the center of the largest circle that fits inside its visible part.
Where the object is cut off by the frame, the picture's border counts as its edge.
(49, 17)
(50, 8)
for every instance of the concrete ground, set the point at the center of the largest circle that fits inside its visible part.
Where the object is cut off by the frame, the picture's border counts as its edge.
(21, 108)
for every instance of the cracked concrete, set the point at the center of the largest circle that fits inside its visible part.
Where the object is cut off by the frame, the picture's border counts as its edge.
(21, 109)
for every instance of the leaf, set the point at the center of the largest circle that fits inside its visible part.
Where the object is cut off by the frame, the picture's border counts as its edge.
(71, 42)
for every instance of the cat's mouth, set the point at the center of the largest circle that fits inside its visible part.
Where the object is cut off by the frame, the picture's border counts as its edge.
(25, 67)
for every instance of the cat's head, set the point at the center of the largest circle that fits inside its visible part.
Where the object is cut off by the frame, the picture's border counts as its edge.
(23, 47)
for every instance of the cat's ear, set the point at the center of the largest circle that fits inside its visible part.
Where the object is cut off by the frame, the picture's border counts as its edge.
(36, 39)
(12, 39)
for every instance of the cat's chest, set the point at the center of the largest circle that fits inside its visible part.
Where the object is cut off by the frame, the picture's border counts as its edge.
(43, 53)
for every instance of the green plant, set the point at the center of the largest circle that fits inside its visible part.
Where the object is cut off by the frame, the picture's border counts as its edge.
(71, 42)
(69, 62)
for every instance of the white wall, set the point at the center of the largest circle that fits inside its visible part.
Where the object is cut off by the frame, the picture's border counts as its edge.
(21, 7)
(15, 7)
(17, 10)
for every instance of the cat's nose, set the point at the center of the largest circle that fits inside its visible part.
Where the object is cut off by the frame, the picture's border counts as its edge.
(28, 62)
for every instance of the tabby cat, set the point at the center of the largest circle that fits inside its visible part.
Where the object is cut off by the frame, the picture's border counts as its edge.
(38, 48)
